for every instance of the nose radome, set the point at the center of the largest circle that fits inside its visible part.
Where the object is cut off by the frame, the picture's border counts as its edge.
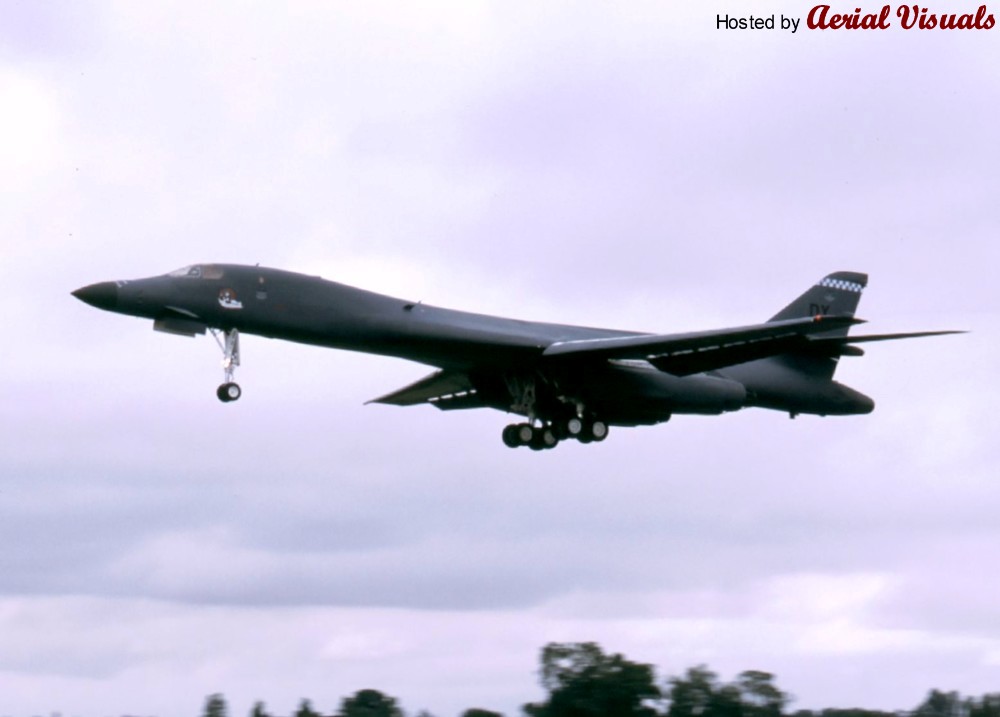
(103, 295)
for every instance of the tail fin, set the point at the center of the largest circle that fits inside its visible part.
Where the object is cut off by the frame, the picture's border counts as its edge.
(838, 293)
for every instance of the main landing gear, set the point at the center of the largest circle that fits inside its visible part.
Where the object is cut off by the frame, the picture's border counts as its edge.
(229, 342)
(567, 418)
(547, 435)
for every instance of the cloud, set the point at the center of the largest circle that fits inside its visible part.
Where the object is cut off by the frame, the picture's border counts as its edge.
(628, 167)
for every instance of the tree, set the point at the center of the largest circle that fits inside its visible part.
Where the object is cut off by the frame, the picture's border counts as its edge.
(692, 695)
(305, 710)
(215, 706)
(847, 712)
(700, 694)
(370, 703)
(726, 702)
(988, 706)
(583, 681)
(259, 710)
(759, 696)
(941, 704)
(477, 712)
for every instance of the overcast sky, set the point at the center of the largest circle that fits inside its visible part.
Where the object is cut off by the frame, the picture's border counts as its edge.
(614, 164)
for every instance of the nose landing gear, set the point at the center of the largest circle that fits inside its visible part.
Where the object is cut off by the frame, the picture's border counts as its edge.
(230, 345)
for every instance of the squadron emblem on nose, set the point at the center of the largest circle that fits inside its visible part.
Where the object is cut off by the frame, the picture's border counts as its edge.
(228, 300)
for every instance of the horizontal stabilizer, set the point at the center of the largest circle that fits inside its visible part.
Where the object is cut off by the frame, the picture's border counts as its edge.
(444, 389)
(836, 346)
(881, 337)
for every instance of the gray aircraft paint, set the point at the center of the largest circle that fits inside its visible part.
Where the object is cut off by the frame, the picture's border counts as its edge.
(551, 373)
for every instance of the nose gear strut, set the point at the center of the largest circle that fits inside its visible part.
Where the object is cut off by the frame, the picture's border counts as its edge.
(230, 345)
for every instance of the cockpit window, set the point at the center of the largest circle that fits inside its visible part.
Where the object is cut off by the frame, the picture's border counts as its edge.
(192, 272)
(198, 271)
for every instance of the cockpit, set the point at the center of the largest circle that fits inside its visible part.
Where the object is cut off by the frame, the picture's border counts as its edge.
(198, 271)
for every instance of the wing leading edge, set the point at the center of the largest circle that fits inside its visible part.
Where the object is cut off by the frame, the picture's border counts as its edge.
(443, 389)
(690, 353)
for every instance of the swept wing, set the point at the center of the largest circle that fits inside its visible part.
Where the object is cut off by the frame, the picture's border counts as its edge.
(696, 352)
(680, 354)
(444, 389)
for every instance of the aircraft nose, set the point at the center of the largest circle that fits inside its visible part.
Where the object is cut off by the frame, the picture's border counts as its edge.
(103, 295)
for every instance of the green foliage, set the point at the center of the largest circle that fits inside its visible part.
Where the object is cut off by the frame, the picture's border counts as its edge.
(854, 712)
(940, 704)
(758, 695)
(951, 704)
(988, 706)
(583, 681)
(369, 703)
(700, 694)
(305, 710)
(259, 710)
(215, 706)
(693, 694)
(726, 702)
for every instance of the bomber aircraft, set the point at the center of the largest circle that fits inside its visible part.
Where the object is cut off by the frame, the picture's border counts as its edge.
(568, 382)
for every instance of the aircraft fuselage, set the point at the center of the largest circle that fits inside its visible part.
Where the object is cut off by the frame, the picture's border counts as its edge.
(526, 367)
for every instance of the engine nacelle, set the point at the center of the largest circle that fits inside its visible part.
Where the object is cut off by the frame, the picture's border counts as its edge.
(633, 393)
(705, 394)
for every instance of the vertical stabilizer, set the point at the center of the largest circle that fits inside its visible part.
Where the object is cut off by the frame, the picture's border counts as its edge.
(839, 294)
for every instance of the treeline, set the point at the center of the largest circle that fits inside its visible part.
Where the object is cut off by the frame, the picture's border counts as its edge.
(581, 680)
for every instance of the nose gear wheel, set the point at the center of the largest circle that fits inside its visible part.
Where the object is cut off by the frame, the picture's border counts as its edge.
(229, 392)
